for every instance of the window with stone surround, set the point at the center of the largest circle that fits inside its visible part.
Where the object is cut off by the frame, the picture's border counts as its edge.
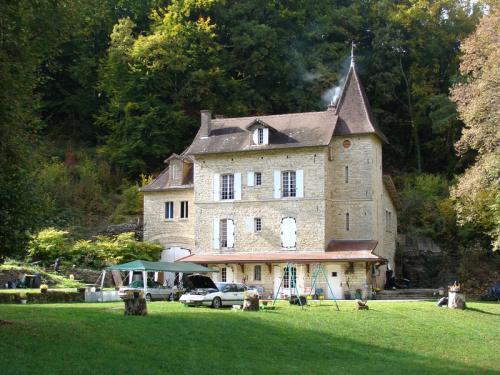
(223, 274)
(184, 209)
(258, 224)
(227, 186)
(257, 273)
(169, 210)
(258, 178)
(388, 221)
(288, 184)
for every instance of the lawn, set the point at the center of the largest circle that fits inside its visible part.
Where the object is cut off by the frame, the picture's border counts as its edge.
(390, 338)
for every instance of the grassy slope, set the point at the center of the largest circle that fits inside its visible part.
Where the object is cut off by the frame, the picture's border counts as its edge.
(390, 338)
(60, 281)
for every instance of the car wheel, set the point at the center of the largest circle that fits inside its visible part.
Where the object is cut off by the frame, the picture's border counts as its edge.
(216, 303)
(148, 297)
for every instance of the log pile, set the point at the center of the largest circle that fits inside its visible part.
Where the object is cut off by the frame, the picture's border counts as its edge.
(135, 304)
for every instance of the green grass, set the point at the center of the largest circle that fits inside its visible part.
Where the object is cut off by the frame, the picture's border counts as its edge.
(390, 338)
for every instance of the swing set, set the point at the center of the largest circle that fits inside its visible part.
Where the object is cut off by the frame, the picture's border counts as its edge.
(289, 278)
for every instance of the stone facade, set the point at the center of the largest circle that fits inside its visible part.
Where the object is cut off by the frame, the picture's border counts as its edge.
(176, 232)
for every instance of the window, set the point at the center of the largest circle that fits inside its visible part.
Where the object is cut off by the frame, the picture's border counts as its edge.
(169, 210)
(289, 277)
(223, 274)
(347, 224)
(388, 221)
(258, 179)
(288, 184)
(227, 186)
(184, 209)
(257, 273)
(223, 233)
(346, 174)
(258, 224)
(260, 136)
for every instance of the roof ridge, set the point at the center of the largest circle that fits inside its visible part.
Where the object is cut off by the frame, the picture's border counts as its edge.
(217, 120)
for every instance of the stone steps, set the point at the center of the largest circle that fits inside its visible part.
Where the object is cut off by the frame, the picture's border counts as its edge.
(407, 294)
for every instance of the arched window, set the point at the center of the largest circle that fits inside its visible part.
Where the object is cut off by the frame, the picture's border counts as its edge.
(289, 277)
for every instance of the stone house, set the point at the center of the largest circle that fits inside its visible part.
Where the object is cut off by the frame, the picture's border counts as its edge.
(252, 194)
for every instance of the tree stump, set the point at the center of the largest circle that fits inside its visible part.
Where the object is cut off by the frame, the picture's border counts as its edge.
(251, 302)
(456, 300)
(136, 305)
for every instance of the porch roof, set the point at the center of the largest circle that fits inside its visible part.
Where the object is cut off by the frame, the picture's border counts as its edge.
(282, 257)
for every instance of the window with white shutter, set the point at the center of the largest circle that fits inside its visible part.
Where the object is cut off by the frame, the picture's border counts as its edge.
(288, 184)
(227, 187)
(216, 186)
(237, 186)
(250, 178)
(230, 233)
(288, 232)
(276, 184)
(216, 232)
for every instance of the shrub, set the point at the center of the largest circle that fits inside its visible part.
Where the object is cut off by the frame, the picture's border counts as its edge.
(48, 245)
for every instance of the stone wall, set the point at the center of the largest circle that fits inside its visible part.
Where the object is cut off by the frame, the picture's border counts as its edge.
(169, 232)
(308, 211)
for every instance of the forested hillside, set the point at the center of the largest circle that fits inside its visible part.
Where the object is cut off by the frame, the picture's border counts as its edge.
(96, 93)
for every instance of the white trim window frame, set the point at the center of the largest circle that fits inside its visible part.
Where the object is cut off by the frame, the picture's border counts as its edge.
(223, 274)
(258, 225)
(288, 184)
(257, 273)
(223, 233)
(169, 210)
(227, 187)
(184, 209)
(260, 136)
(258, 178)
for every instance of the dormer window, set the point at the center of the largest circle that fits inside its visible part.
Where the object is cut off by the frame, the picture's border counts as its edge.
(260, 136)
(259, 132)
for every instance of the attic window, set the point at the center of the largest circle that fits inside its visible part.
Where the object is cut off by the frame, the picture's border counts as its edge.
(260, 136)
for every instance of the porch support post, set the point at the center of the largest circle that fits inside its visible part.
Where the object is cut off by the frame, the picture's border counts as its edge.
(145, 282)
(102, 285)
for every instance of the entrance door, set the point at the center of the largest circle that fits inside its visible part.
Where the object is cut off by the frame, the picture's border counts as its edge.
(334, 275)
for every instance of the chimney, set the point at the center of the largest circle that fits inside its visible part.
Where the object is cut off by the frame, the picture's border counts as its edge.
(206, 120)
(332, 106)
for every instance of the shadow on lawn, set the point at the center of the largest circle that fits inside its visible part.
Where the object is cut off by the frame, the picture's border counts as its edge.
(208, 341)
(482, 311)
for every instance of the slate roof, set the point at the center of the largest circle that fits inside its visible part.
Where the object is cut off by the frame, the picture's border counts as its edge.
(351, 116)
(353, 109)
(290, 130)
(162, 181)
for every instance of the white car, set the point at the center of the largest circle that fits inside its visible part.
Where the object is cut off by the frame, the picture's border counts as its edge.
(207, 293)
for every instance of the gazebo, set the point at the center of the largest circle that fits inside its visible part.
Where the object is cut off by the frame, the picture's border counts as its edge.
(145, 266)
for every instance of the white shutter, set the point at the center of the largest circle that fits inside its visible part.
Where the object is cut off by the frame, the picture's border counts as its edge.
(255, 136)
(249, 224)
(266, 136)
(230, 233)
(277, 184)
(250, 178)
(293, 232)
(216, 240)
(216, 186)
(288, 232)
(237, 186)
(299, 175)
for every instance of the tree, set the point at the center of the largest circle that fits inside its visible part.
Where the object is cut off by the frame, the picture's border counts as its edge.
(477, 192)
(29, 35)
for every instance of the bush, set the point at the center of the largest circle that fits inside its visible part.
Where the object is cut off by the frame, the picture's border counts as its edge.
(105, 251)
(48, 245)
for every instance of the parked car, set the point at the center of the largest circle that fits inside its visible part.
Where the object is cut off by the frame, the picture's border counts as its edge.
(154, 291)
(205, 292)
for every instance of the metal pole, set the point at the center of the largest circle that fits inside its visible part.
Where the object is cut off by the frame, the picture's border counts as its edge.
(144, 282)
(102, 285)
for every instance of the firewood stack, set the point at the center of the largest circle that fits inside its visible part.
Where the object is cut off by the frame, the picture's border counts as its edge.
(135, 304)
(251, 301)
